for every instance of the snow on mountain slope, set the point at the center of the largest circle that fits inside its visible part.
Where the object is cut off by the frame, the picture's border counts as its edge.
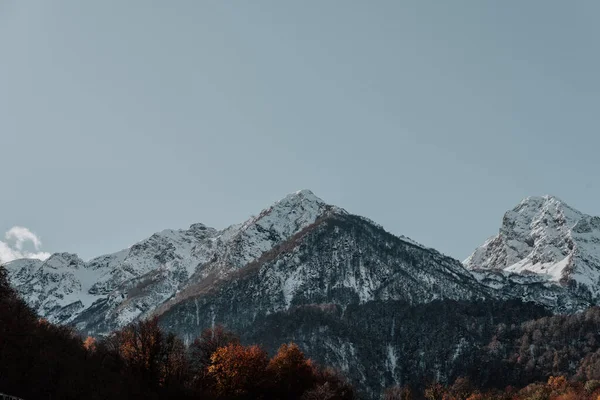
(237, 245)
(132, 282)
(340, 260)
(215, 254)
(546, 252)
(546, 238)
(55, 288)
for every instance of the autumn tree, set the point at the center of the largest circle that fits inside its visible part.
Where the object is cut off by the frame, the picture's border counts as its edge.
(239, 372)
(90, 344)
(140, 345)
(203, 347)
(291, 373)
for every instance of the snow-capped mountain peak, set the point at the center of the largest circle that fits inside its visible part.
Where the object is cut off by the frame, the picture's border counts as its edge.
(133, 281)
(546, 237)
(64, 261)
(294, 211)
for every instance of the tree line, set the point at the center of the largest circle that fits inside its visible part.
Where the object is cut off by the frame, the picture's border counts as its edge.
(39, 360)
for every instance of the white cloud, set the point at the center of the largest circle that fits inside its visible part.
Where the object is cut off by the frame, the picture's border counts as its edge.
(13, 247)
(21, 235)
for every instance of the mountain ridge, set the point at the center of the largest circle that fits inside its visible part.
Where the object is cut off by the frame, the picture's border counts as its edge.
(309, 272)
(543, 246)
(169, 256)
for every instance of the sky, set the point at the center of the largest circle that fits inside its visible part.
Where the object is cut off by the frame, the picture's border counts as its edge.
(119, 119)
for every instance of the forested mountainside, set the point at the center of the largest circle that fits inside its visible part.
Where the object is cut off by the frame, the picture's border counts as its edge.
(492, 355)
(381, 344)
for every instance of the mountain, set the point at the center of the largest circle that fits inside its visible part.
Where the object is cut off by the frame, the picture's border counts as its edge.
(345, 290)
(384, 309)
(339, 260)
(133, 281)
(545, 251)
(300, 247)
(299, 255)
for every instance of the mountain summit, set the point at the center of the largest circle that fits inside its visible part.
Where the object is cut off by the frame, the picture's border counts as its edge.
(545, 238)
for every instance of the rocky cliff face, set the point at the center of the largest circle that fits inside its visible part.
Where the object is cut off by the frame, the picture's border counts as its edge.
(545, 251)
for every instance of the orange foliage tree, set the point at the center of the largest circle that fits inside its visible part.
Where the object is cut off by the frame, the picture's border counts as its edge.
(290, 372)
(239, 372)
(203, 347)
(139, 345)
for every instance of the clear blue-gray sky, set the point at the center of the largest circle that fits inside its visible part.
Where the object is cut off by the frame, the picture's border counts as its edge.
(122, 118)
